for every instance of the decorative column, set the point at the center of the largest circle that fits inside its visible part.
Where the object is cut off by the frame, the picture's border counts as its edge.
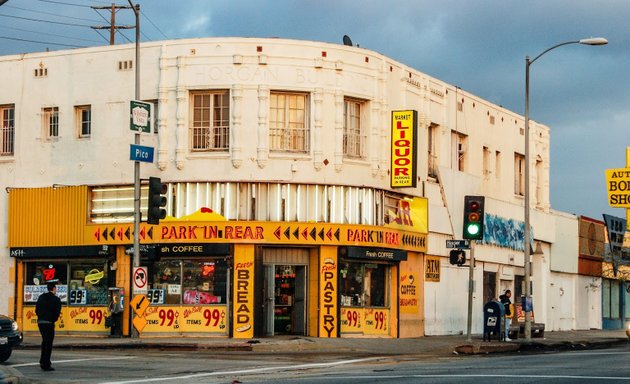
(162, 118)
(236, 126)
(317, 129)
(182, 115)
(263, 128)
(338, 130)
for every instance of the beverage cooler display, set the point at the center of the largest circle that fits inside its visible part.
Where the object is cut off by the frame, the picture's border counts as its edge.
(284, 299)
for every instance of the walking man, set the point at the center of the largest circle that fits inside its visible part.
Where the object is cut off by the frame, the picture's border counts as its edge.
(505, 300)
(48, 309)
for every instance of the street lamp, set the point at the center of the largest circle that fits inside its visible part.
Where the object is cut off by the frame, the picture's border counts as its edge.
(527, 235)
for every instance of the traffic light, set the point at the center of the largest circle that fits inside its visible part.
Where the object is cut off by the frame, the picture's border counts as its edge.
(155, 210)
(473, 217)
(457, 257)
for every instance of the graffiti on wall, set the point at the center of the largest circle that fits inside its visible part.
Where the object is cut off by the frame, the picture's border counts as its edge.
(506, 233)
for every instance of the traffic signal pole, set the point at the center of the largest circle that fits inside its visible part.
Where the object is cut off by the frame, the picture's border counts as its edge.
(471, 286)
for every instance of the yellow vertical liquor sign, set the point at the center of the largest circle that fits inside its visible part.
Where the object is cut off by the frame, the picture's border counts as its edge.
(328, 294)
(404, 148)
(243, 292)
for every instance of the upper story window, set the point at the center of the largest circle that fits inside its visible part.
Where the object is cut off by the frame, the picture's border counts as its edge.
(432, 145)
(83, 118)
(210, 125)
(519, 174)
(288, 122)
(50, 122)
(7, 130)
(354, 138)
(459, 144)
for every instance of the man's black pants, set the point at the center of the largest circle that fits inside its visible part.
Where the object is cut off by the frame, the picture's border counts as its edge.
(48, 335)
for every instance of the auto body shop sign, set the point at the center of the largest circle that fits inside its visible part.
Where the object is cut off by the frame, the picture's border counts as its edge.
(618, 185)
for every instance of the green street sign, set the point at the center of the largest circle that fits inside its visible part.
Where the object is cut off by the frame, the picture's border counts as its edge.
(140, 116)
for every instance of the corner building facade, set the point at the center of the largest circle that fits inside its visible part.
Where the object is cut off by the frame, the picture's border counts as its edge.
(311, 187)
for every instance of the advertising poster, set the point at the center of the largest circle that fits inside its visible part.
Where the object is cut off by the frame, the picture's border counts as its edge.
(376, 321)
(409, 292)
(328, 294)
(244, 294)
(204, 319)
(72, 319)
(351, 320)
(163, 319)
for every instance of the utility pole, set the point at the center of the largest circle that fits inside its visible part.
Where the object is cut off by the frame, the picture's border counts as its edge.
(113, 27)
(136, 170)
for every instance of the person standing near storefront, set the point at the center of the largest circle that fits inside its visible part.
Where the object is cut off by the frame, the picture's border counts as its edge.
(505, 300)
(48, 309)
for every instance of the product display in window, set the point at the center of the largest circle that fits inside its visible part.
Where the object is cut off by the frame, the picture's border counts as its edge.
(363, 284)
(202, 281)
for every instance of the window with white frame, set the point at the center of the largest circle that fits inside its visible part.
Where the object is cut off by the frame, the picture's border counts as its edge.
(210, 121)
(83, 118)
(50, 122)
(519, 174)
(288, 122)
(254, 202)
(7, 130)
(354, 137)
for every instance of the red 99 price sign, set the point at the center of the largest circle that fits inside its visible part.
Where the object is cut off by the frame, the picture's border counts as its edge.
(376, 321)
(351, 320)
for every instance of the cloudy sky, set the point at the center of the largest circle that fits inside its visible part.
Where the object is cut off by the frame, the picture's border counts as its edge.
(582, 93)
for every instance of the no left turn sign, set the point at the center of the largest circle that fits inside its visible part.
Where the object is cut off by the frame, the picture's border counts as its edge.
(140, 280)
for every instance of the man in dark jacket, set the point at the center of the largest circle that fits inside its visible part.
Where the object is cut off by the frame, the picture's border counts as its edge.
(48, 309)
(505, 300)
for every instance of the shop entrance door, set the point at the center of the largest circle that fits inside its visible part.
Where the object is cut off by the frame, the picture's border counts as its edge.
(285, 300)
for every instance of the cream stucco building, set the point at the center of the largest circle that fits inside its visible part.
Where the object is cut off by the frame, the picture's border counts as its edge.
(271, 131)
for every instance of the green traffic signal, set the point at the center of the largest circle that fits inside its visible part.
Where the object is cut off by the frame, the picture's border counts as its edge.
(473, 217)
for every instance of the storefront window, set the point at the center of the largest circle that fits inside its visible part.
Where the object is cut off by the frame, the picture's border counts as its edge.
(363, 284)
(88, 283)
(188, 282)
(37, 274)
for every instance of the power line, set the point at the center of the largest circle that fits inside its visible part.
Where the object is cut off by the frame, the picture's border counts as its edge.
(49, 13)
(153, 24)
(62, 3)
(42, 42)
(48, 33)
(45, 21)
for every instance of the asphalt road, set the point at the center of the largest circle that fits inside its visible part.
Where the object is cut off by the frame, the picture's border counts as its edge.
(142, 366)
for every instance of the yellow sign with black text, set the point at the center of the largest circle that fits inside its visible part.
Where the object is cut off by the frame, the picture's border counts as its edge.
(618, 185)
(432, 268)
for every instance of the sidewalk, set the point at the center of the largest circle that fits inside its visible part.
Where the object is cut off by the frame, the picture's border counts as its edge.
(428, 345)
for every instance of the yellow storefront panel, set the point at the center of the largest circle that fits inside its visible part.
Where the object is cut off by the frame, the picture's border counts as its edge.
(47, 216)
(72, 319)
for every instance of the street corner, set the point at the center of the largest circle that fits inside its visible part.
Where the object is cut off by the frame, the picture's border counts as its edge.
(486, 348)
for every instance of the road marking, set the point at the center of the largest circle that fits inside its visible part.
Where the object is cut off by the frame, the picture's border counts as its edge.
(381, 377)
(76, 360)
(244, 371)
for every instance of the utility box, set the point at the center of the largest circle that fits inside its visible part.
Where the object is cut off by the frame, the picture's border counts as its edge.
(493, 321)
